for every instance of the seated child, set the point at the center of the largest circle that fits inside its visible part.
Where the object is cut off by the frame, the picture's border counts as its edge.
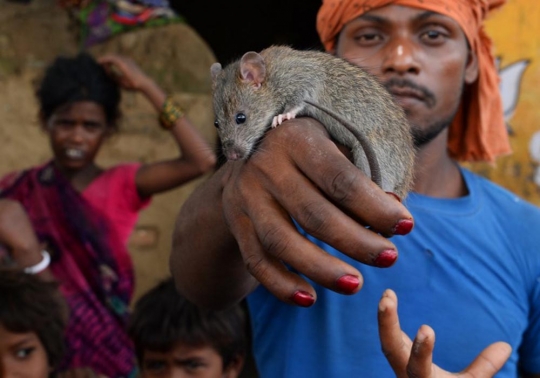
(33, 316)
(173, 336)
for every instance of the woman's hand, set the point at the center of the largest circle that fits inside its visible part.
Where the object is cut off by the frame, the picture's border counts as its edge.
(17, 234)
(414, 359)
(126, 72)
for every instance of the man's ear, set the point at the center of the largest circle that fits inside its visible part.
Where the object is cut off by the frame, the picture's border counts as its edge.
(471, 69)
(234, 368)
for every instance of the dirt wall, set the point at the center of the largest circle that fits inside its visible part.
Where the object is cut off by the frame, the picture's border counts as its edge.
(32, 35)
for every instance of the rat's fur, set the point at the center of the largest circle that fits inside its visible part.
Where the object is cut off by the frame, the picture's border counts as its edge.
(281, 79)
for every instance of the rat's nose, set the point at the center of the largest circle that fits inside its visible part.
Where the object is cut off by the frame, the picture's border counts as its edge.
(231, 151)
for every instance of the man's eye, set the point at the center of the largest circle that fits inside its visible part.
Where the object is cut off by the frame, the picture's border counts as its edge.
(433, 36)
(24, 353)
(368, 39)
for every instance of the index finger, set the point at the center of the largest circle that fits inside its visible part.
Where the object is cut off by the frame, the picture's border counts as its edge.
(396, 345)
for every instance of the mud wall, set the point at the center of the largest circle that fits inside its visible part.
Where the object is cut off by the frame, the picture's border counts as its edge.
(32, 35)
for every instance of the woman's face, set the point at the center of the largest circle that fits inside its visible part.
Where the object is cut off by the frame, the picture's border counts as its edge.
(22, 355)
(76, 132)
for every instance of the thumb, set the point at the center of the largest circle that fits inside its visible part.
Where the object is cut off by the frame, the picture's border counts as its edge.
(490, 361)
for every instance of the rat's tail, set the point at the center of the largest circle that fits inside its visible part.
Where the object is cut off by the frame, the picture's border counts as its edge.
(368, 150)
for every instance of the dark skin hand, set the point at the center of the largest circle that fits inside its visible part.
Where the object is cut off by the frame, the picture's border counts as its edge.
(299, 171)
(414, 358)
(17, 234)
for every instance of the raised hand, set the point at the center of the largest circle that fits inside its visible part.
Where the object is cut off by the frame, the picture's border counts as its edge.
(414, 358)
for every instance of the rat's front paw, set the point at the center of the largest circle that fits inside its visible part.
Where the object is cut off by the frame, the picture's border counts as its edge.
(279, 119)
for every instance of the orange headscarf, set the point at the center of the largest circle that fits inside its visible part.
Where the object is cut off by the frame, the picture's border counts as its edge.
(478, 132)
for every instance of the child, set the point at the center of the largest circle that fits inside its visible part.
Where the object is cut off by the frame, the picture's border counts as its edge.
(32, 321)
(173, 336)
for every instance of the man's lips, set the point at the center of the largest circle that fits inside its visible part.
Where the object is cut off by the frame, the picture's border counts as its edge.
(407, 92)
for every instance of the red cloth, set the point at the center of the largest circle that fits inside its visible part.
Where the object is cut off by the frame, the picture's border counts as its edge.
(86, 236)
(478, 132)
(115, 195)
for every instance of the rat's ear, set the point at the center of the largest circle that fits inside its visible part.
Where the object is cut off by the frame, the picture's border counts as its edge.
(253, 68)
(214, 71)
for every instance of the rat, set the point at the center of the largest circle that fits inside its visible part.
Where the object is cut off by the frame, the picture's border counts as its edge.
(262, 90)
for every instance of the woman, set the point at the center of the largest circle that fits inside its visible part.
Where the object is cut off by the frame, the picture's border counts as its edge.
(84, 213)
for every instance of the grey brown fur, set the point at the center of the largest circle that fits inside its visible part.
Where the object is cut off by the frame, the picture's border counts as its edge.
(336, 89)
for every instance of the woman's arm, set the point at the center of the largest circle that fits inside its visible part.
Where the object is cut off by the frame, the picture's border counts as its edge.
(17, 234)
(196, 156)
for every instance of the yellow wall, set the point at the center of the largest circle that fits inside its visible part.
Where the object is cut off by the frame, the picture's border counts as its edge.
(515, 30)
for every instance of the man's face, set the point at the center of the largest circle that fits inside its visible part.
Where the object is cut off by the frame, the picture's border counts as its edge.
(421, 57)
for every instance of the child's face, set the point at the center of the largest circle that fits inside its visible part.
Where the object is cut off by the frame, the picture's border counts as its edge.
(22, 355)
(187, 361)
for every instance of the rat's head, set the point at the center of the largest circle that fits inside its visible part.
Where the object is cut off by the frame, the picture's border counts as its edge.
(243, 104)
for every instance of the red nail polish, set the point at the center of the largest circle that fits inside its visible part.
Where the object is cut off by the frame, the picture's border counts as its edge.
(394, 195)
(347, 284)
(403, 227)
(386, 258)
(302, 298)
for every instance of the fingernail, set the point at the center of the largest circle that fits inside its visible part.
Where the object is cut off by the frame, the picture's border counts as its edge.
(347, 284)
(394, 195)
(303, 298)
(403, 227)
(386, 258)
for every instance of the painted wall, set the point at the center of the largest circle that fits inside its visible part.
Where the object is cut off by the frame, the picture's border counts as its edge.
(516, 34)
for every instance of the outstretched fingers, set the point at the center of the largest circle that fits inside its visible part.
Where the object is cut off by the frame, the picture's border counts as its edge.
(489, 361)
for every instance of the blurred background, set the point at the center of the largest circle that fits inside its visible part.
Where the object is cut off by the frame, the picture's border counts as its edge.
(178, 53)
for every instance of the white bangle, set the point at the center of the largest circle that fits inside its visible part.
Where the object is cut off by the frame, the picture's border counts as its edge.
(40, 266)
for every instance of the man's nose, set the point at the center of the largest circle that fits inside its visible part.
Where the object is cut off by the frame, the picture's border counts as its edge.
(401, 57)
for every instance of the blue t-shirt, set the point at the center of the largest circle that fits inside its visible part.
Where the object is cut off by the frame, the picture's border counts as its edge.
(470, 269)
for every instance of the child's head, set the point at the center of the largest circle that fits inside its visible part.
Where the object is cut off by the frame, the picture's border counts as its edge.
(32, 321)
(79, 109)
(81, 78)
(172, 334)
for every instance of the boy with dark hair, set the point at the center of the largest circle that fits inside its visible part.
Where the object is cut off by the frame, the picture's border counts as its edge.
(173, 337)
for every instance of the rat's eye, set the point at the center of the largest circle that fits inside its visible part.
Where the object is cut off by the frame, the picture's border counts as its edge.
(216, 124)
(240, 118)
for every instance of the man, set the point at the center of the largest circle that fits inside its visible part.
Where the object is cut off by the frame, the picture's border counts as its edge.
(470, 266)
